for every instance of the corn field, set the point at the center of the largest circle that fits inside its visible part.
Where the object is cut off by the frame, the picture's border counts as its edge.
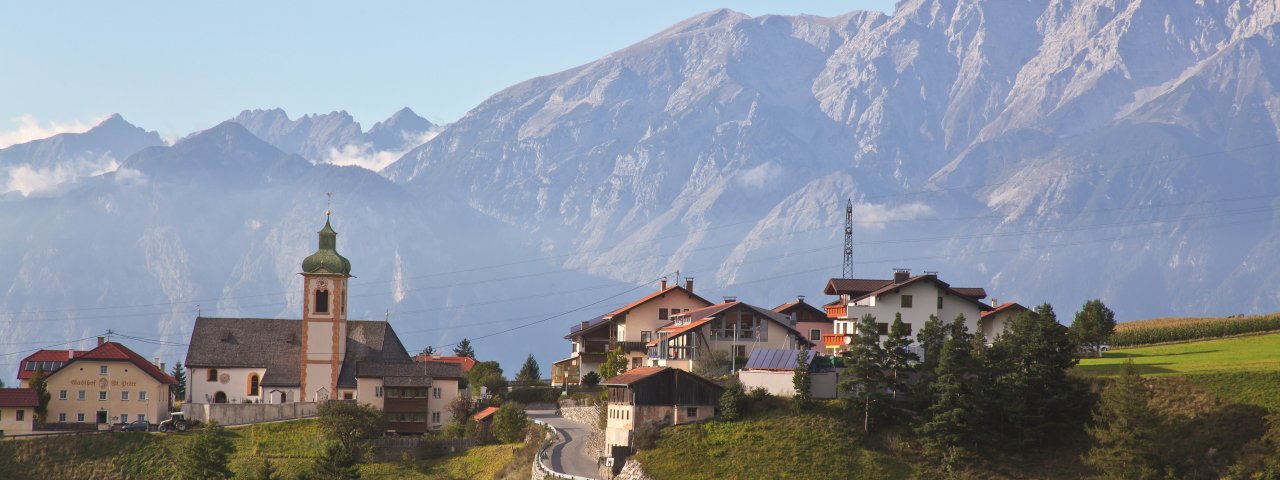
(1164, 330)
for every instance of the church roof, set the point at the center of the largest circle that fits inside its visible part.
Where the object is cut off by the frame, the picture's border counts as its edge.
(326, 258)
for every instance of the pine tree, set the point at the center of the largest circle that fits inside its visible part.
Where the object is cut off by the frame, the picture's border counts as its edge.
(337, 462)
(1093, 326)
(1127, 437)
(207, 456)
(1036, 397)
(931, 337)
(897, 349)
(428, 351)
(864, 377)
(40, 382)
(952, 418)
(530, 373)
(801, 382)
(264, 472)
(463, 349)
(179, 390)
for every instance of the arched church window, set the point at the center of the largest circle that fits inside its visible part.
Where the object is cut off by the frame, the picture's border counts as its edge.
(253, 385)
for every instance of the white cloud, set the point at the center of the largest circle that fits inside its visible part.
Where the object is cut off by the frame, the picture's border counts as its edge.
(27, 179)
(28, 128)
(364, 156)
(760, 175)
(870, 215)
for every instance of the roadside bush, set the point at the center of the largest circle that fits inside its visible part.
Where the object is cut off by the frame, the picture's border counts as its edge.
(1176, 330)
(509, 423)
(529, 395)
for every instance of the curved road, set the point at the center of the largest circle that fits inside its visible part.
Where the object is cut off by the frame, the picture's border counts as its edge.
(570, 455)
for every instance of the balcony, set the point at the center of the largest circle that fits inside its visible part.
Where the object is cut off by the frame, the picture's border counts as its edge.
(836, 340)
(837, 311)
(629, 346)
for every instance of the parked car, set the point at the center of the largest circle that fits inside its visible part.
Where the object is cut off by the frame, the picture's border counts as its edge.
(136, 426)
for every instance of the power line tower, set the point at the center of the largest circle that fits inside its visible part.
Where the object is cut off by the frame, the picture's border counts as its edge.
(848, 240)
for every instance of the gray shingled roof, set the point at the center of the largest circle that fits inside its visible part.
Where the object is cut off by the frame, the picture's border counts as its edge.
(412, 374)
(275, 344)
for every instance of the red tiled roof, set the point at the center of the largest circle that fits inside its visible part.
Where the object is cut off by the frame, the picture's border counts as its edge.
(465, 362)
(45, 356)
(1009, 306)
(854, 286)
(934, 278)
(18, 397)
(113, 351)
(652, 296)
(483, 414)
(632, 376)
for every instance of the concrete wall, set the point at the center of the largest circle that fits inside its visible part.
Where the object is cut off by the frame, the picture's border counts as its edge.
(87, 376)
(9, 423)
(241, 414)
(448, 393)
(367, 391)
(821, 385)
(994, 325)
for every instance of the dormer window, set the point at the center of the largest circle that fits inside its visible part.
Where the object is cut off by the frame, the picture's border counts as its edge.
(322, 301)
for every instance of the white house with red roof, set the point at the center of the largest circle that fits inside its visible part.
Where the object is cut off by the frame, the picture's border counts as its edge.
(17, 410)
(994, 322)
(916, 298)
(630, 327)
(732, 329)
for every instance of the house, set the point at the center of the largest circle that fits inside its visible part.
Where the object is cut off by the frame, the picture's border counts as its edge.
(810, 320)
(465, 362)
(630, 328)
(324, 356)
(916, 298)
(727, 331)
(47, 360)
(774, 370)
(661, 395)
(17, 410)
(106, 385)
(993, 322)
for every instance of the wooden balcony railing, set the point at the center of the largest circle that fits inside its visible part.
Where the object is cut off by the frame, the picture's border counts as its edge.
(835, 340)
(836, 311)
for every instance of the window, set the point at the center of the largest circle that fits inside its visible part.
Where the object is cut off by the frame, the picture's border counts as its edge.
(435, 417)
(80, 417)
(213, 375)
(102, 370)
(348, 395)
(664, 314)
(882, 328)
(142, 417)
(906, 301)
(741, 350)
(124, 418)
(62, 418)
(253, 385)
(102, 395)
(575, 347)
(939, 302)
(435, 392)
(62, 394)
(322, 301)
(124, 395)
(21, 415)
(691, 412)
(377, 392)
(646, 336)
(142, 396)
(815, 334)
(80, 395)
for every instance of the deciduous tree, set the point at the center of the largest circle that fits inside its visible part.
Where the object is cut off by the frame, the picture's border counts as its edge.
(732, 401)
(1093, 326)
(349, 423)
(487, 374)
(510, 423)
(615, 362)
(40, 382)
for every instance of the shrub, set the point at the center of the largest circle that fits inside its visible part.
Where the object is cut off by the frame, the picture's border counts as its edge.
(591, 379)
(534, 395)
(509, 423)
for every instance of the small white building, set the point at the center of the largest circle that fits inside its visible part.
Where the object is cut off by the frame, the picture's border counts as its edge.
(916, 298)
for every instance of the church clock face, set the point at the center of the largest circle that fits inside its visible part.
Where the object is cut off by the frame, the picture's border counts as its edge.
(224, 378)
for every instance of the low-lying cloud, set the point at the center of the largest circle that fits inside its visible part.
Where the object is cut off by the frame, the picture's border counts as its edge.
(28, 128)
(365, 156)
(875, 216)
(760, 176)
(28, 180)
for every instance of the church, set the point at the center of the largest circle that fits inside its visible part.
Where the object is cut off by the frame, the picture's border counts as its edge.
(323, 356)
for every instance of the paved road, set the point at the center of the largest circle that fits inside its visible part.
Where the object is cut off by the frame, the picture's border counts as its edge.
(569, 456)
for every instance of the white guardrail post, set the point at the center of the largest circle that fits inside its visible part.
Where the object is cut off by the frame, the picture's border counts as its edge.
(541, 453)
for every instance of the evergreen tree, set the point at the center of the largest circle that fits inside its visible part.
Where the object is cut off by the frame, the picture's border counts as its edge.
(1127, 437)
(2, 383)
(207, 456)
(338, 462)
(801, 382)
(615, 362)
(264, 472)
(429, 350)
(463, 349)
(931, 337)
(897, 350)
(1032, 389)
(732, 401)
(40, 382)
(952, 418)
(864, 377)
(591, 379)
(529, 373)
(1093, 326)
(179, 390)
(510, 423)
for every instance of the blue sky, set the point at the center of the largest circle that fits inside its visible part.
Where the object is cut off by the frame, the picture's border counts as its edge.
(178, 67)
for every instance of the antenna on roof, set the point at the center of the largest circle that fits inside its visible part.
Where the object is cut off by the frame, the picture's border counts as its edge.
(328, 204)
(109, 334)
(386, 316)
(848, 240)
(197, 310)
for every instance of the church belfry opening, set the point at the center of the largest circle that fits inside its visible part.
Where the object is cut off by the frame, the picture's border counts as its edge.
(324, 316)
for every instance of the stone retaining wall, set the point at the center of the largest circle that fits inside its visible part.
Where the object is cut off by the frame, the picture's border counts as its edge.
(632, 471)
(589, 416)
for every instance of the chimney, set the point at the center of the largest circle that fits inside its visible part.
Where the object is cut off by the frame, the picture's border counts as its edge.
(585, 323)
(155, 361)
(730, 298)
(799, 298)
(994, 302)
(71, 355)
(162, 368)
(662, 284)
(901, 275)
(100, 341)
(688, 283)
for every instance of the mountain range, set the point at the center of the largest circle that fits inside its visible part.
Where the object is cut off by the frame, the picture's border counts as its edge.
(1046, 150)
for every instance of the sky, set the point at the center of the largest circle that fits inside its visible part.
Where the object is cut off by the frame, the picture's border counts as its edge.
(180, 67)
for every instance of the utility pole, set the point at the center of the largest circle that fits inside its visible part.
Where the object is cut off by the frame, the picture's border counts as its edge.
(848, 240)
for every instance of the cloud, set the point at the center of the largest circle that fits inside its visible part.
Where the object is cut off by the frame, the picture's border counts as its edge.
(875, 216)
(363, 155)
(28, 128)
(760, 175)
(27, 179)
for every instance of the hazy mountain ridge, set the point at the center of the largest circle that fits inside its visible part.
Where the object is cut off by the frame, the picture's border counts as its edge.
(337, 138)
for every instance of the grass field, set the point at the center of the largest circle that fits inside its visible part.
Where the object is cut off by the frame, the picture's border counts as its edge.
(1245, 369)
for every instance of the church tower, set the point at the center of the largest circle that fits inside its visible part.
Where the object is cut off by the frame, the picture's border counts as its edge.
(324, 318)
